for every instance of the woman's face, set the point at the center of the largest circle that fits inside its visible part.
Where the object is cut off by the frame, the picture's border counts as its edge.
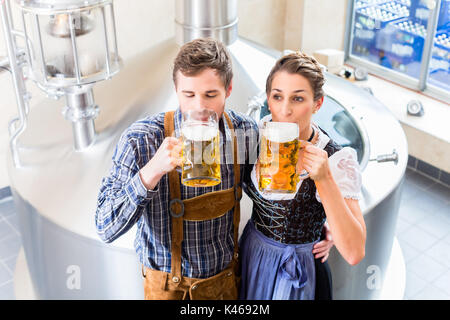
(291, 99)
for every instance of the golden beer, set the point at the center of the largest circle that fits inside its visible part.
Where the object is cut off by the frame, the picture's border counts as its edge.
(200, 154)
(278, 157)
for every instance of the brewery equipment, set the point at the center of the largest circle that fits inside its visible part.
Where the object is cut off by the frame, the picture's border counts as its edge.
(69, 46)
(56, 186)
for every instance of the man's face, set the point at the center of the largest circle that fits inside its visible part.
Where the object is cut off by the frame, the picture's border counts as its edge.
(202, 91)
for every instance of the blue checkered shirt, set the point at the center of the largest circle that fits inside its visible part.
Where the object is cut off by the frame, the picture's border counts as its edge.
(123, 200)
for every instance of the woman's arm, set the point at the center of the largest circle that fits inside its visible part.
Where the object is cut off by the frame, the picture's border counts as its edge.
(345, 219)
(344, 216)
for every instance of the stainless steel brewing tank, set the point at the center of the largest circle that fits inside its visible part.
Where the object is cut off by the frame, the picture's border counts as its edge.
(353, 117)
(56, 190)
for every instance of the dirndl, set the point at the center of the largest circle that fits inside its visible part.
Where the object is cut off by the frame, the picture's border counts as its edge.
(272, 270)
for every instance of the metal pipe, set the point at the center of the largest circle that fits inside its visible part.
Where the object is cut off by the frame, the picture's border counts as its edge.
(10, 16)
(4, 64)
(41, 51)
(387, 157)
(116, 50)
(206, 18)
(74, 49)
(428, 45)
(18, 80)
(349, 30)
(20, 52)
(81, 110)
(27, 42)
(255, 104)
(107, 54)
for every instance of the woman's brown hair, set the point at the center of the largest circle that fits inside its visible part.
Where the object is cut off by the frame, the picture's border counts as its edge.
(302, 64)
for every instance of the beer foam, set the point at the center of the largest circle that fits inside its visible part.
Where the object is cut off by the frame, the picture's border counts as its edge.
(281, 132)
(198, 132)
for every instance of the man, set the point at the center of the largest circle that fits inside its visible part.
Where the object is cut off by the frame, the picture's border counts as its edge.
(192, 256)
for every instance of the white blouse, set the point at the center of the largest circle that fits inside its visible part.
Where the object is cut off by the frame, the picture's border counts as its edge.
(343, 165)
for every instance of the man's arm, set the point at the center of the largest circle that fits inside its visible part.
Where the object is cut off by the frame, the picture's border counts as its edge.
(122, 194)
(128, 188)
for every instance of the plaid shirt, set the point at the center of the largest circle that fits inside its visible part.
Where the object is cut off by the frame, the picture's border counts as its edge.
(123, 200)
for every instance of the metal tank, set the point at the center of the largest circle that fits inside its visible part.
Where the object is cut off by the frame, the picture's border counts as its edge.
(55, 190)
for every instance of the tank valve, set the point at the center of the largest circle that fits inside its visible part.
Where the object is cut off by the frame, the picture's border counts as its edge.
(255, 104)
(387, 157)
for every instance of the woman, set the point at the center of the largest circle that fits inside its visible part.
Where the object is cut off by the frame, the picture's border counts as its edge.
(277, 245)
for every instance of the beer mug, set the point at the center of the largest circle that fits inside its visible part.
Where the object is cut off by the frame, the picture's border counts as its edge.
(278, 157)
(200, 149)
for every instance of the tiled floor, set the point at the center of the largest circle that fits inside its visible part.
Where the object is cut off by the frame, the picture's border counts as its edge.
(423, 231)
(10, 243)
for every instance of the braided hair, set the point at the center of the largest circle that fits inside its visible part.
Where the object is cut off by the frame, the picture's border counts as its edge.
(302, 64)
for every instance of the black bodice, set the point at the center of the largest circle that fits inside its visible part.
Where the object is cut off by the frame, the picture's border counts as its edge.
(295, 221)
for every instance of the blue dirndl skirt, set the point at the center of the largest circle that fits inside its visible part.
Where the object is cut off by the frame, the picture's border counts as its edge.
(271, 270)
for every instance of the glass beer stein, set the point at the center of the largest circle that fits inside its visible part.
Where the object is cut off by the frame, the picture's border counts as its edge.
(278, 157)
(200, 151)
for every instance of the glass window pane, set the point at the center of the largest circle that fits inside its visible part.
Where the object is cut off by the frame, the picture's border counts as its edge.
(439, 71)
(391, 33)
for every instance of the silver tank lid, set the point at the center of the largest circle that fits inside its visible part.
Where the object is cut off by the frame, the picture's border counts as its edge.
(53, 6)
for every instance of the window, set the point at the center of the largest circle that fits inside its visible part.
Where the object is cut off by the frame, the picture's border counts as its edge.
(407, 41)
(439, 70)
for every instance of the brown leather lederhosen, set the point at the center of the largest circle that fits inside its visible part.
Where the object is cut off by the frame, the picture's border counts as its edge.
(173, 286)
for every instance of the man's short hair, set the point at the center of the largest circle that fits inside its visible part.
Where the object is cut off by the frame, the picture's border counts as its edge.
(200, 54)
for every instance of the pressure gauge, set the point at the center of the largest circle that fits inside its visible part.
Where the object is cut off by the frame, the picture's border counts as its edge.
(415, 108)
(360, 74)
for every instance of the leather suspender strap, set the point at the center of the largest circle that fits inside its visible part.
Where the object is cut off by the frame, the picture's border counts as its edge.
(175, 201)
(204, 207)
(237, 188)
